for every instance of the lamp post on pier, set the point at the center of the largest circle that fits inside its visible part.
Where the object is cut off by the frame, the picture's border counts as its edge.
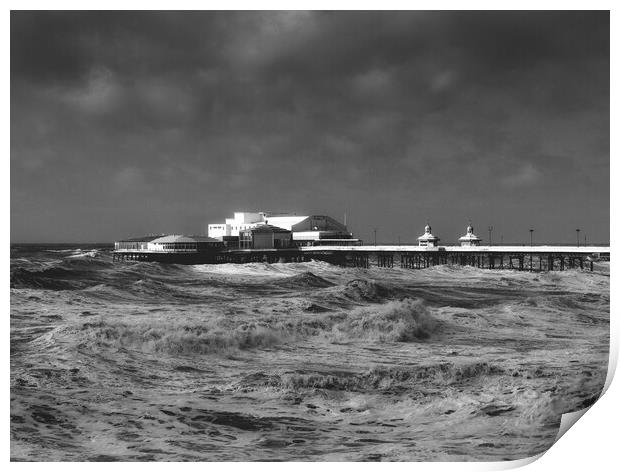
(577, 236)
(531, 236)
(375, 231)
(490, 231)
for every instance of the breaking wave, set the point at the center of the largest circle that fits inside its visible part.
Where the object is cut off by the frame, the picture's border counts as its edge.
(304, 280)
(361, 290)
(66, 274)
(402, 321)
(387, 378)
(181, 339)
(397, 321)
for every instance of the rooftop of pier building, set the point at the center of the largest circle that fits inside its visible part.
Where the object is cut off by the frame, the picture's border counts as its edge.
(313, 226)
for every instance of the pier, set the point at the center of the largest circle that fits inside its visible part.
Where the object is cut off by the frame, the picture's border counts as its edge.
(531, 258)
(319, 237)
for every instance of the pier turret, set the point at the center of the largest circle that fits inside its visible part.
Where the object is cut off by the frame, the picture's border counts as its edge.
(427, 239)
(470, 239)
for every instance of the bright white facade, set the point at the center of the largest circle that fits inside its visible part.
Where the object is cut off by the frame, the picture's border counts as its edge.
(427, 239)
(470, 239)
(286, 222)
(306, 235)
(247, 220)
(240, 221)
(306, 229)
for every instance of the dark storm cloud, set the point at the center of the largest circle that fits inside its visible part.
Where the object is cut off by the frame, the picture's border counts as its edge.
(126, 122)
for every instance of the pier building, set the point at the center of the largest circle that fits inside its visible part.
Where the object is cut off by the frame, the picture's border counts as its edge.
(134, 244)
(181, 243)
(428, 239)
(240, 221)
(470, 239)
(265, 236)
(306, 230)
(174, 248)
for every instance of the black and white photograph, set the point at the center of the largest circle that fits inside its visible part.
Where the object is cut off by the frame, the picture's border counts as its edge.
(306, 236)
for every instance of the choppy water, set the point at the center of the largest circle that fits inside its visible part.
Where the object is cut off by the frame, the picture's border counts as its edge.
(141, 361)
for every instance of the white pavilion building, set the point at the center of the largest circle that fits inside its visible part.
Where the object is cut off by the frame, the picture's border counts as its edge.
(307, 230)
(427, 239)
(470, 239)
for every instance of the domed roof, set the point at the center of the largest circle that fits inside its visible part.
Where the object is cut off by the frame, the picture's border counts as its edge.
(180, 238)
(428, 236)
(470, 236)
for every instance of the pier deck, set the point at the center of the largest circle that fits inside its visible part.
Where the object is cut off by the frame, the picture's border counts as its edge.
(465, 249)
(538, 258)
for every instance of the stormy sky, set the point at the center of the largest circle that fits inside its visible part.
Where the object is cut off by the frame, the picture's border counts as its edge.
(128, 123)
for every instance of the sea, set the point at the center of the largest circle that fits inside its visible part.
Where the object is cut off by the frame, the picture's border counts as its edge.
(139, 361)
